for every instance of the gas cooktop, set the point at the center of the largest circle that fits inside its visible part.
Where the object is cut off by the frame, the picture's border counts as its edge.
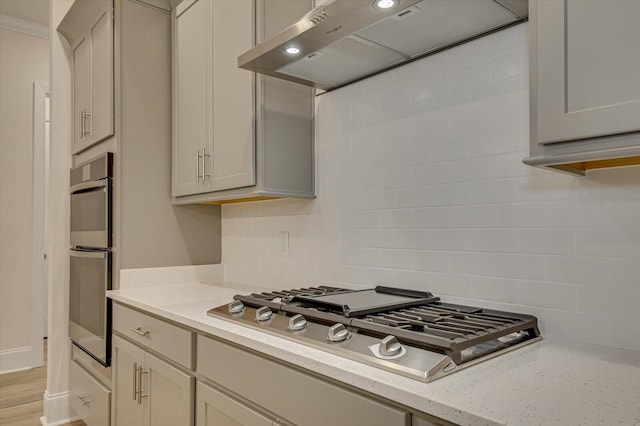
(408, 332)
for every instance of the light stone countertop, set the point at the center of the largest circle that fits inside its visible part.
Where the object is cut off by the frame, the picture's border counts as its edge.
(545, 383)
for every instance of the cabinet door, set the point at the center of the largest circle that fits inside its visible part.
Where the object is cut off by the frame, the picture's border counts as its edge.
(127, 359)
(220, 363)
(192, 65)
(427, 420)
(81, 91)
(170, 394)
(100, 122)
(93, 95)
(89, 398)
(586, 77)
(232, 163)
(217, 409)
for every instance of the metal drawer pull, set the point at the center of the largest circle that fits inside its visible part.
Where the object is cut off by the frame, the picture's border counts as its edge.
(135, 381)
(139, 331)
(141, 395)
(83, 400)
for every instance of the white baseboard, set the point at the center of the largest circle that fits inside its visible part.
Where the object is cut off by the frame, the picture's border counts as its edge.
(57, 410)
(17, 359)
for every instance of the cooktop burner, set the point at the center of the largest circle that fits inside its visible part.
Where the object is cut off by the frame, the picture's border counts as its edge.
(409, 332)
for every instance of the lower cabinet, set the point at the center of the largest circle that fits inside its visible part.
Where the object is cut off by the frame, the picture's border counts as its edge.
(90, 399)
(89, 388)
(154, 384)
(294, 396)
(148, 390)
(214, 408)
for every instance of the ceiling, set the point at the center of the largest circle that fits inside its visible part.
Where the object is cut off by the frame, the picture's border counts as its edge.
(29, 10)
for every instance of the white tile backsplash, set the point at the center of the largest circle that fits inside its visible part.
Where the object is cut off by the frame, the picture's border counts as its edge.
(420, 184)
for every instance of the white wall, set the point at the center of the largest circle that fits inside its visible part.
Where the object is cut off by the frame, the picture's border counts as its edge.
(56, 398)
(420, 185)
(23, 60)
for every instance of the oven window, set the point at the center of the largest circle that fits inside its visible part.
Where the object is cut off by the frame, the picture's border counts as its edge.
(87, 293)
(89, 211)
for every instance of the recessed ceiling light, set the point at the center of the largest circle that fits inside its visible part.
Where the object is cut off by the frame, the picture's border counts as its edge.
(292, 50)
(385, 4)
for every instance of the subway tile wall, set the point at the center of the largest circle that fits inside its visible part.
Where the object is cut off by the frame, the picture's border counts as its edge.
(420, 185)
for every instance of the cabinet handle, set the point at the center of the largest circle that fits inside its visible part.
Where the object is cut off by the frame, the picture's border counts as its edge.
(204, 164)
(203, 155)
(141, 395)
(90, 117)
(198, 166)
(139, 331)
(83, 400)
(135, 381)
(81, 124)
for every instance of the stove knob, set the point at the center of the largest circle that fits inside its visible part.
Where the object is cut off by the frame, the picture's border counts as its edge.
(236, 307)
(297, 323)
(337, 333)
(264, 314)
(389, 346)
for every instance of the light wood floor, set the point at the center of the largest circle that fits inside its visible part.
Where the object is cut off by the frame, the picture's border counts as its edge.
(21, 396)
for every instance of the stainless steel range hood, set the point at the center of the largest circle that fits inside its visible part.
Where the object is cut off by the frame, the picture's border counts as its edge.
(347, 40)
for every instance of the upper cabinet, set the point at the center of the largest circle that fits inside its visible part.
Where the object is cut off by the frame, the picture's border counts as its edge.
(124, 57)
(236, 136)
(213, 99)
(585, 84)
(88, 27)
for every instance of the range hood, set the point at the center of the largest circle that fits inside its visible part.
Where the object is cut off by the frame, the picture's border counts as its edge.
(347, 40)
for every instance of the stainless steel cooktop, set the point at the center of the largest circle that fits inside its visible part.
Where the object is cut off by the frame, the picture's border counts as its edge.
(408, 332)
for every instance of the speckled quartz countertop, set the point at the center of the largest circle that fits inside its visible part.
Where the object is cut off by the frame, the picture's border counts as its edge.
(545, 383)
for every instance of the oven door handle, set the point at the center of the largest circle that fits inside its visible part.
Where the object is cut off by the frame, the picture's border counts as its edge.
(102, 183)
(88, 254)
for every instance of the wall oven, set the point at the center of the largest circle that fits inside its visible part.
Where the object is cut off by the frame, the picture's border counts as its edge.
(90, 257)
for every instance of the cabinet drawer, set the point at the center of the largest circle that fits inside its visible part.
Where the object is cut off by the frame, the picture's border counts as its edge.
(217, 409)
(89, 398)
(172, 341)
(274, 386)
(97, 370)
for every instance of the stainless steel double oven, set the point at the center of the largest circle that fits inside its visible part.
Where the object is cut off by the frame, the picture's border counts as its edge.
(90, 257)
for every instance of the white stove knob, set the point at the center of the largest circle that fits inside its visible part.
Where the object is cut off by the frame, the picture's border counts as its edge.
(297, 323)
(236, 307)
(264, 314)
(338, 333)
(389, 346)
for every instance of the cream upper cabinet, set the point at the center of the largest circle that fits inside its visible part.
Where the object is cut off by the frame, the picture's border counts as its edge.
(213, 126)
(81, 89)
(192, 61)
(89, 30)
(232, 160)
(236, 135)
(585, 84)
(100, 117)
